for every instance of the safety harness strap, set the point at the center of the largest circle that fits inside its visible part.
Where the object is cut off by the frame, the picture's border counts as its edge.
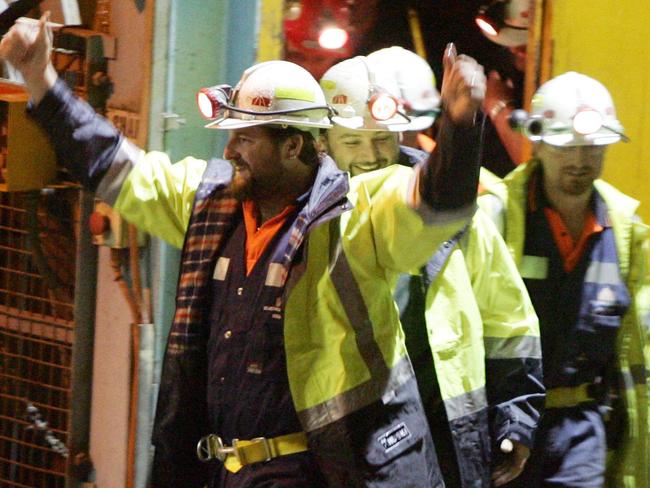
(244, 452)
(565, 397)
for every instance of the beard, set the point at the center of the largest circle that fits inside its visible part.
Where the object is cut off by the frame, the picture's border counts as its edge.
(577, 187)
(242, 181)
(578, 183)
(246, 185)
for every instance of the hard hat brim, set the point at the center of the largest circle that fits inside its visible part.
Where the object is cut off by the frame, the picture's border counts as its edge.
(600, 138)
(509, 36)
(358, 123)
(232, 123)
(416, 124)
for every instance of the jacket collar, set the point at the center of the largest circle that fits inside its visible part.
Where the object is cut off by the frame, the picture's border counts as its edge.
(619, 207)
(330, 185)
(409, 156)
(330, 188)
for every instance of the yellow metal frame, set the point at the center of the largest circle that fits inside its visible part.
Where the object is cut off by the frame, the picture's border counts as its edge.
(30, 160)
(270, 38)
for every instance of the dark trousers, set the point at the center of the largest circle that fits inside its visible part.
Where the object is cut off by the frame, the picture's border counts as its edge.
(293, 471)
(569, 451)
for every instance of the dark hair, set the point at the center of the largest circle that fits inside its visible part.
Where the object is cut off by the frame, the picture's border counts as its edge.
(309, 152)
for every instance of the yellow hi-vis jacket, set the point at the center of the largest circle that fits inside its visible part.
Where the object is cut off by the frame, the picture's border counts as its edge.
(350, 378)
(484, 336)
(343, 340)
(629, 465)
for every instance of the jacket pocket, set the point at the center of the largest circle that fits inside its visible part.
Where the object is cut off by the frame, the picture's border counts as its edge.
(384, 430)
(386, 443)
(598, 337)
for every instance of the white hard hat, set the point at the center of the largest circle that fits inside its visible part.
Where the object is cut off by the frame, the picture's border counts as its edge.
(360, 102)
(414, 82)
(573, 110)
(505, 22)
(273, 92)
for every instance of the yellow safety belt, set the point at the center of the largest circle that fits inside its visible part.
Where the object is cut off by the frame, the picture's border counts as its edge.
(565, 397)
(243, 452)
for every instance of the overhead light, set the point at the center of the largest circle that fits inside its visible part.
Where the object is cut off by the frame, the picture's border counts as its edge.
(332, 37)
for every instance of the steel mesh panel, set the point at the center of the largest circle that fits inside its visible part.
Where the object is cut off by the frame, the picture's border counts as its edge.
(37, 263)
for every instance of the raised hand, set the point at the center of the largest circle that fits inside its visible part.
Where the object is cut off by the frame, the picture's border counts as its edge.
(463, 86)
(28, 48)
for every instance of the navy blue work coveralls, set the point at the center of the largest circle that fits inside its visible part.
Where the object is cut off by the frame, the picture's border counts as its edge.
(580, 313)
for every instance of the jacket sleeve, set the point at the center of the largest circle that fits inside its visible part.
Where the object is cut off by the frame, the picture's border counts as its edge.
(513, 366)
(146, 189)
(449, 178)
(411, 220)
(641, 291)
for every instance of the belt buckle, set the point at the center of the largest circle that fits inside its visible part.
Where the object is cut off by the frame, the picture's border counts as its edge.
(212, 447)
(268, 447)
(239, 452)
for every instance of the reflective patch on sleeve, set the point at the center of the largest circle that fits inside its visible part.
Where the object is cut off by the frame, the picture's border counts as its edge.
(111, 183)
(534, 267)
(293, 93)
(221, 269)
(603, 274)
(276, 275)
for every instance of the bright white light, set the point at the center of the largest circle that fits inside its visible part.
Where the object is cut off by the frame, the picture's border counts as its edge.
(332, 38)
(486, 26)
(587, 122)
(205, 105)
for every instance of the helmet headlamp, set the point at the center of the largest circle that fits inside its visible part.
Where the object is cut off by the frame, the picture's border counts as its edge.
(587, 121)
(382, 105)
(491, 17)
(584, 123)
(213, 100)
(505, 22)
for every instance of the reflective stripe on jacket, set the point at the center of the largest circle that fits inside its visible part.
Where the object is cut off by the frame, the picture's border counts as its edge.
(341, 356)
(358, 399)
(629, 463)
(484, 336)
(486, 347)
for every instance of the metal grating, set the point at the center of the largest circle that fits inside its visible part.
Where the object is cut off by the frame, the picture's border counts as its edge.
(37, 263)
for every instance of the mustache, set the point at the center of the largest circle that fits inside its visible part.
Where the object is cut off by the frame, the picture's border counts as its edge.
(238, 163)
(579, 169)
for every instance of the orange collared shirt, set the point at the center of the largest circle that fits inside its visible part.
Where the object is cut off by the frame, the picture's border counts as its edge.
(570, 250)
(258, 238)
